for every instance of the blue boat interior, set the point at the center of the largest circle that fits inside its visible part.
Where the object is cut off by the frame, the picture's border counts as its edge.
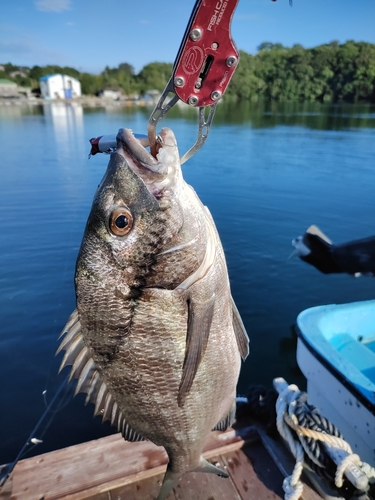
(357, 353)
(344, 335)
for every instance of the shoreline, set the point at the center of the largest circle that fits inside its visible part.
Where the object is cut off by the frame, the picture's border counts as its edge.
(86, 101)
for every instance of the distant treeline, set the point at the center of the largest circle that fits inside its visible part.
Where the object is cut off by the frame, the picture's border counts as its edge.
(328, 73)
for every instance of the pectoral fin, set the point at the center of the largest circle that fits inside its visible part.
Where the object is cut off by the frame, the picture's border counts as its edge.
(240, 332)
(199, 324)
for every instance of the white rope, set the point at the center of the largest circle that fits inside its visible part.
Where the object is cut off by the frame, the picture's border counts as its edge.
(338, 449)
(292, 491)
(292, 484)
(352, 459)
(368, 470)
(290, 421)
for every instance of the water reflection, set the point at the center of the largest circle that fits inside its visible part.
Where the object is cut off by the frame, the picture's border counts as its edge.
(69, 116)
(311, 115)
(11, 110)
(67, 123)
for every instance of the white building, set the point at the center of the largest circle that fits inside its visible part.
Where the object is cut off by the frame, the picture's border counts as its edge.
(59, 87)
(114, 94)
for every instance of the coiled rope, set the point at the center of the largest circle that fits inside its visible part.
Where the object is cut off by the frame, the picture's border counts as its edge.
(316, 443)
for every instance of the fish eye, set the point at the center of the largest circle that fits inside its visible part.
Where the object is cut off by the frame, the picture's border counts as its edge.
(120, 221)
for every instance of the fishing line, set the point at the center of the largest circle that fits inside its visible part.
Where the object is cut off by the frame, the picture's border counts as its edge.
(7, 470)
(65, 399)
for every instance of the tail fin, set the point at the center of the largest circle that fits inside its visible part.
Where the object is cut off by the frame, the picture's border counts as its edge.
(170, 481)
(205, 466)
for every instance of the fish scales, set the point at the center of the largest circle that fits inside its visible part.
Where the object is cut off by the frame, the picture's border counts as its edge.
(157, 338)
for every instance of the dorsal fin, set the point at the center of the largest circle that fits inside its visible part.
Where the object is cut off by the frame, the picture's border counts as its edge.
(89, 381)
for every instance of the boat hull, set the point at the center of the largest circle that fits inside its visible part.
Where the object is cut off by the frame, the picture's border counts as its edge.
(339, 368)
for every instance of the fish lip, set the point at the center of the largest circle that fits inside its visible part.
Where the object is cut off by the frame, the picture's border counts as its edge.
(139, 159)
(161, 175)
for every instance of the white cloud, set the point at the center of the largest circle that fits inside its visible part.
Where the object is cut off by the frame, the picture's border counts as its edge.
(53, 5)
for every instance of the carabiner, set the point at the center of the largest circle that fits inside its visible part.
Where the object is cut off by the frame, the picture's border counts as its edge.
(204, 66)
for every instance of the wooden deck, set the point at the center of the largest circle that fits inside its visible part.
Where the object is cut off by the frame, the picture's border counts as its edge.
(112, 469)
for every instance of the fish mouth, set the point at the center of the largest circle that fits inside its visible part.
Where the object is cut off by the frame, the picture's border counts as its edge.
(155, 172)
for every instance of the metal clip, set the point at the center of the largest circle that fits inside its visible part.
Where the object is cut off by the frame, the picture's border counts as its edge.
(161, 109)
(203, 129)
(205, 63)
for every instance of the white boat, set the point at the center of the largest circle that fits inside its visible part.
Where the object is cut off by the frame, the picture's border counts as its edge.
(336, 353)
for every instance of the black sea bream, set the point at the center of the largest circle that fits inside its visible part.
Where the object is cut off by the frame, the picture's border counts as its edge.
(156, 341)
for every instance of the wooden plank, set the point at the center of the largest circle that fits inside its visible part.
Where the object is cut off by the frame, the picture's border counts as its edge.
(200, 486)
(111, 469)
(218, 442)
(65, 472)
(98, 466)
(248, 482)
(118, 484)
(6, 490)
(145, 489)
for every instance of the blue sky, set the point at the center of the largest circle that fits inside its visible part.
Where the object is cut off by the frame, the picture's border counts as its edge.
(90, 34)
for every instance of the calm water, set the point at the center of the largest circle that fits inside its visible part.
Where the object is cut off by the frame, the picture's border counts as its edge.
(266, 173)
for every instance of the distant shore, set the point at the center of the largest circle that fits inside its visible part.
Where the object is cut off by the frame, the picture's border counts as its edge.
(86, 101)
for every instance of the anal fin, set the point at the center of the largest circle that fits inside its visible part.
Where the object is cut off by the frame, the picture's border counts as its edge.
(228, 420)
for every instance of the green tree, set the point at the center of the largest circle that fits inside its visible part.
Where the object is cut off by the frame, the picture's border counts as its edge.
(127, 68)
(90, 84)
(154, 76)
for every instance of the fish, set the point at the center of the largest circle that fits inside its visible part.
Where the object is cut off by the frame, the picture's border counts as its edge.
(356, 257)
(156, 340)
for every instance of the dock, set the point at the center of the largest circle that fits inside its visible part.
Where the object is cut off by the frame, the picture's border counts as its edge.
(112, 469)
